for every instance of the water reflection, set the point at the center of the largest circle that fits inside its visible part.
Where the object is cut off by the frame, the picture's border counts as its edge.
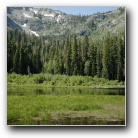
(26, 91)
(90, 120)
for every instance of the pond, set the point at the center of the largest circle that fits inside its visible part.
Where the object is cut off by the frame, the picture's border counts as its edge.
(65, 106)
(26, 91)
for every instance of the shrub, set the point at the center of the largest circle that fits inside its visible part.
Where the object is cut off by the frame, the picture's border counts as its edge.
(39, 78)
(59, 80)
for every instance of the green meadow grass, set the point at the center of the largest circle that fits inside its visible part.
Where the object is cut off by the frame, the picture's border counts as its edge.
(26, 110)
(23, 109)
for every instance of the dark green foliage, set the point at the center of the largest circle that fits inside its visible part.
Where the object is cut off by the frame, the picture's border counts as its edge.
(87, 68)
(99, 62)
(85, 48)
(114, 57)
(74, 56)
(121, 60)
(106, 59)
(23, 50)
(71, 56)
(92, 58)
(67, 55)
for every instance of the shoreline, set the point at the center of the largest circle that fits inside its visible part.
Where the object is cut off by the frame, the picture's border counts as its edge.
(91, 87)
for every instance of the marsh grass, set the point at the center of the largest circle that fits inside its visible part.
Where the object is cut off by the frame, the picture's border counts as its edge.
(27, 108)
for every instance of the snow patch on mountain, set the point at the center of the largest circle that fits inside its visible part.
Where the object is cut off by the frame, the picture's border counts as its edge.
(33, 32)
(59, 17)
(35, 11)
(49, 15)
(24, 25)
(26, 15)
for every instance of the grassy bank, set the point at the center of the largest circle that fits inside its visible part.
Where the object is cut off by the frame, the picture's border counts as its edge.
(28, 110)
(61, 81)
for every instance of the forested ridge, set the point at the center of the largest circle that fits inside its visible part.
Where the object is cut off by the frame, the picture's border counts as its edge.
(85, 56)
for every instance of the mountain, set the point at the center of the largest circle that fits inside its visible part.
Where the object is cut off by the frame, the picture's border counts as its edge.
(48, 22)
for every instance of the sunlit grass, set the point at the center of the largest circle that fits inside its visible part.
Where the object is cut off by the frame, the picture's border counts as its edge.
(61, 80)
(27, 108)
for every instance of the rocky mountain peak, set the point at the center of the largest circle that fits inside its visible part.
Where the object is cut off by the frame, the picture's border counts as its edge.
(44, 21)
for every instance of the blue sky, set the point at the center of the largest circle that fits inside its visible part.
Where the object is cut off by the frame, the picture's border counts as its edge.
(87, 10)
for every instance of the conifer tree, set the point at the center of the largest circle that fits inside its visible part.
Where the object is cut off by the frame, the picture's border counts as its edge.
(68, 56)
(106, 59)
(74, 56)
(99, 62)
(121, 59)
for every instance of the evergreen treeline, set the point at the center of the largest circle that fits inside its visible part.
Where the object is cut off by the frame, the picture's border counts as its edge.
(73, 56)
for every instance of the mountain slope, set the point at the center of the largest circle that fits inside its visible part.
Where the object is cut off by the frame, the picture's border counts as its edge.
(47, 22)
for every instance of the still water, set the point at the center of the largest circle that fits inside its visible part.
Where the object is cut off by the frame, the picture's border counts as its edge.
(26, 91)
(65, 120)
